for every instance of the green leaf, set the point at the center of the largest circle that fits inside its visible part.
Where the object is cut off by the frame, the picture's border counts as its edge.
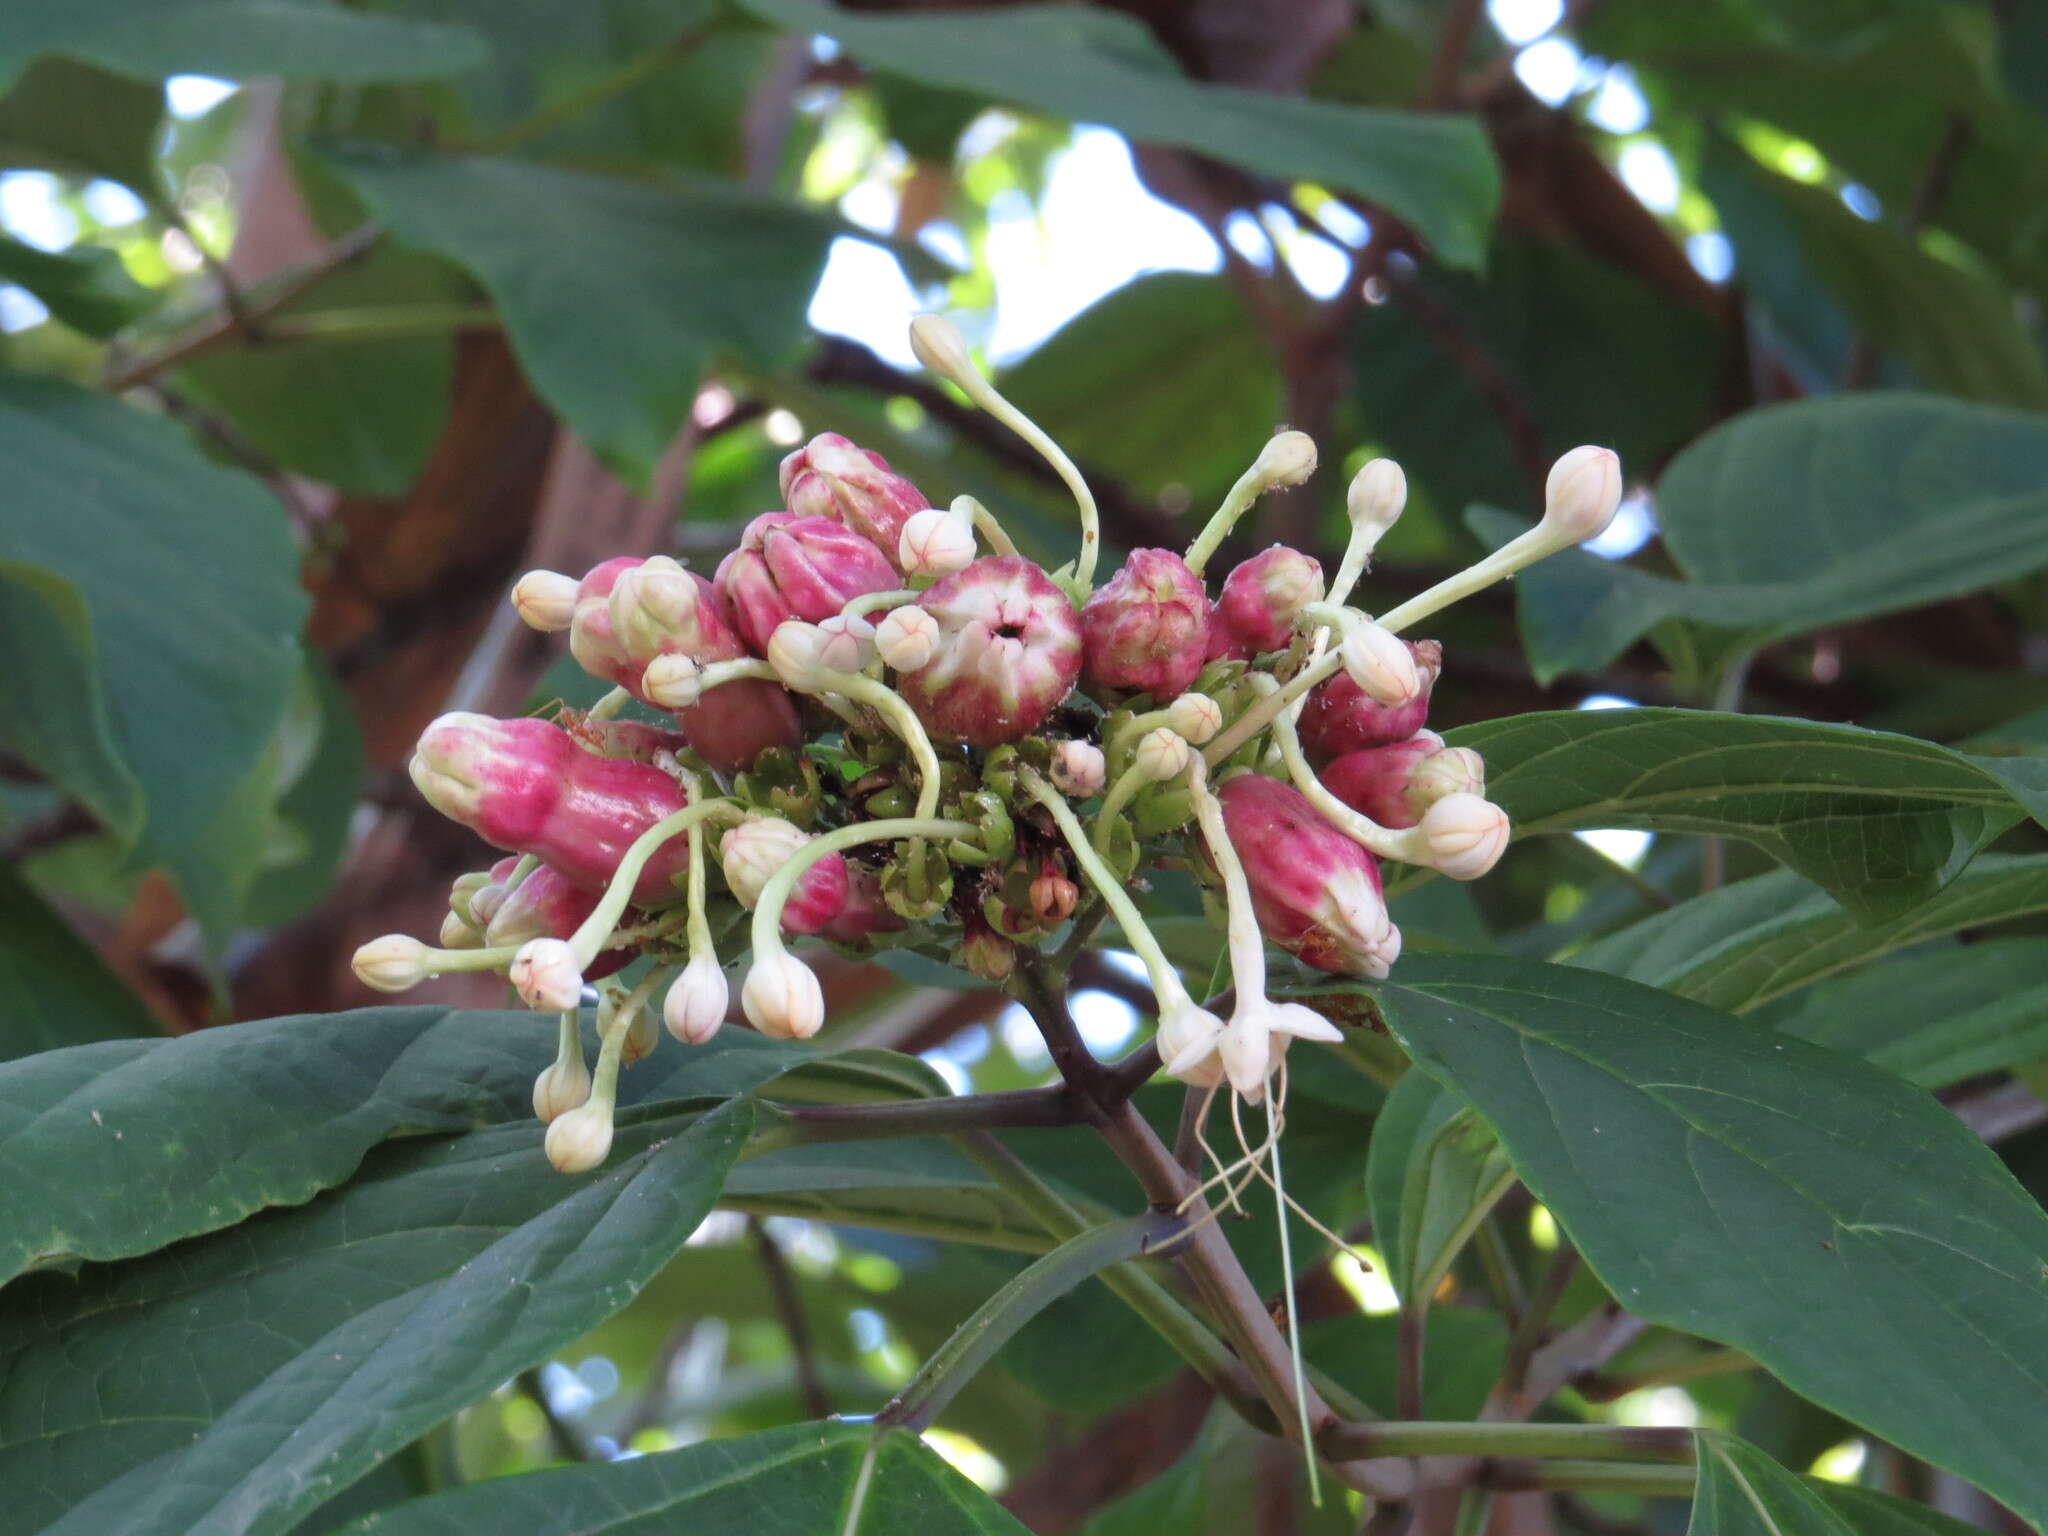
(60, 992)
(1881, 821)
(1164, 383)
(795, 1481)
(1434, 1169)
(86, 287)
(1952, 325)
(1463, 1350)
(1743, 945)
(1742, 1492)
(538, 1261)
(320, 773)
(1591, 352)
(1432, 170)
(361, 412)
(1900, 500)
(689, 269)
(70, 118)
(108, 1151)
(1858, 1241)
(1935, 1017)
(236, 39)
(189, 578)
(1226, 1484)
(1871, 1513)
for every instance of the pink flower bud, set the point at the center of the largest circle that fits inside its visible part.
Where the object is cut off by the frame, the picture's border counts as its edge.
(1257, 606)
(1381, 664)
(548, 905)
(697, 1003)
(865, 913)
(1466, 835)
(546, 976)
(397, 962)
(781, 997)
(1078, 769)
(1375, 781)
(1315, 892)
(1339, 718)
(791, 567)
(755, 849)
(1147, 629)
(935, 543)
(545, 600)
(1009, 651)
(730, 726)
(485, 900)
(906, 638)
(524, 785)
(579, 1139)
(830, 477)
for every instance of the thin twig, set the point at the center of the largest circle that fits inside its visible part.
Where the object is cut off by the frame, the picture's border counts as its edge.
(566, 1439)
(789, 1308)
(1453, 41)
(225, 325)
(1529, 1331)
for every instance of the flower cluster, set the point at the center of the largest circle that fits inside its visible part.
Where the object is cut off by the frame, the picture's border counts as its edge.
(878, 724)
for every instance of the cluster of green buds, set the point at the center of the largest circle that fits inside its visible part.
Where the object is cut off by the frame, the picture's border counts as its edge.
(878, 725)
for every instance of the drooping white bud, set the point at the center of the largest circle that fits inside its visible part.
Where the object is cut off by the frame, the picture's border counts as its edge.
(641, 1038)
(546, 976)
(938, 345)
(1288, 458)
(1381, 664)
(1194, 717)
(1581, 494)
(1078, 769)
(1378, 493)
(561, 1088)
(752, 851)
(796, 651)
(1161, 754)
(697, 1002)
(456, 934)
(1465, 834)
(545, 600)
(935, 542)
(782, 998)
(845, 644)
(673, 681)
(907, 638)
(397, 962)
(579, 1139)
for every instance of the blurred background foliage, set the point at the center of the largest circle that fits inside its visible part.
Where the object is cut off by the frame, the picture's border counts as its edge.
(320, 323)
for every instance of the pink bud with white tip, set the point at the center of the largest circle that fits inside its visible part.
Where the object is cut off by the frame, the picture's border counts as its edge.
(833, 477)
(1009, 651)
(1146, 630)
(791, 567)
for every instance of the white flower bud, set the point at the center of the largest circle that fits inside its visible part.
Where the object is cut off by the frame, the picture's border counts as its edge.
(456, 934)
(935, 542)
(653, 601)
(1581, 494)
(1161, 754)
(697, 1002)
(796, 651)
(752, 851)
(545, 600)
(672, 681)
(845, 644)
(579, 1139)
(782, 998)
(937, 344)
(397, 962)
(1451, 771)
(907, 637)
(1466, 835)
(1078, 769)
(1380, 663)
(1288, 458)
(641, 1038)
(1246, 1052)
(561, 1088)
(1194, 717)
(1378, 493)
(546, 976)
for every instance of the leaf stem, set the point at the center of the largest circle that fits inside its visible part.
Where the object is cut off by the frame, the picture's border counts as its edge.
(1421, 1437)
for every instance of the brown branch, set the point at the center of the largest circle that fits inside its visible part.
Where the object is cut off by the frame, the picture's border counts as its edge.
(244, 314)
(1453, 42)
(789, 1308)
